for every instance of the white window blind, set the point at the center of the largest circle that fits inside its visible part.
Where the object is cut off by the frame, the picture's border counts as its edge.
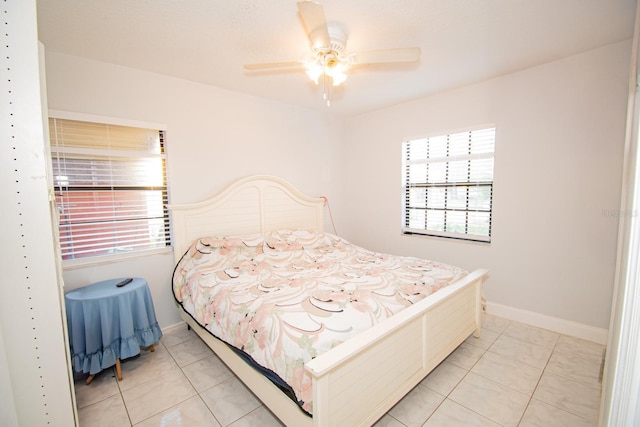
(111, 188)
(448, 185)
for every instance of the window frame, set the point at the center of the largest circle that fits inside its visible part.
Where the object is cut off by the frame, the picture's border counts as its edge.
(446, 184)
(107, 258)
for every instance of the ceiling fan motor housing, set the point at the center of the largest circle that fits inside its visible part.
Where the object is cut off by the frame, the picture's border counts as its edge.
(337, 40)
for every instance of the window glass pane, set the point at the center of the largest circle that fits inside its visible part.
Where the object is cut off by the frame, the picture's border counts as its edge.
(100, 171)
(97, 239)
(437, 172)
(456, 197)
(459, 144)
(481, 170)
(417, 149)
(435, 220)
(483, 141)
(417, 173)
(458, 171)
(416, 218)
(417, 198)
(456, 222)
(480, 198)
(479, 223)
(436, 197)
(438, 147)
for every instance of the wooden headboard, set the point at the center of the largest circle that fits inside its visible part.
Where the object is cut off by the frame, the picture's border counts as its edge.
(255, 204)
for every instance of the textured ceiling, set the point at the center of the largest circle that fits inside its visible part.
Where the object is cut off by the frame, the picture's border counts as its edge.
(462, 41)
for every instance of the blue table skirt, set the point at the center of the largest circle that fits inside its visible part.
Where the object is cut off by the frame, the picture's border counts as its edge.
(108, 323)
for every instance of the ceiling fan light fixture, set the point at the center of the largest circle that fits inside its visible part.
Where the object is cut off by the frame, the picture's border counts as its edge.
(314, 70)
(338, 78)
(330, 63)
(336, 69)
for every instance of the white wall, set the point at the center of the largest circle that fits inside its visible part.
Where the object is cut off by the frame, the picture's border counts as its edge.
(213, 138)
(559, 151)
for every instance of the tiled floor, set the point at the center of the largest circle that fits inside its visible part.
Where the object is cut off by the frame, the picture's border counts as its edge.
(514, 375)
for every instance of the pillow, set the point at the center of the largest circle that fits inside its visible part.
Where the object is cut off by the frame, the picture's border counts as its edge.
(289, 240)
(229, 242)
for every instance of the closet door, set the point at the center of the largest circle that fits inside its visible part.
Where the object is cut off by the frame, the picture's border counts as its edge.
(621, 385)
(36, 386)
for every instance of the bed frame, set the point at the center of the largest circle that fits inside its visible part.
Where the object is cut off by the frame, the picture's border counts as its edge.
(358, 381)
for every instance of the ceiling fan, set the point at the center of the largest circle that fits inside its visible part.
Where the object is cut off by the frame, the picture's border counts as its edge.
(328, 58)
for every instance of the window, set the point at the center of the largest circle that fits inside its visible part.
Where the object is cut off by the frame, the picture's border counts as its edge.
(111, 188)
(448, 185)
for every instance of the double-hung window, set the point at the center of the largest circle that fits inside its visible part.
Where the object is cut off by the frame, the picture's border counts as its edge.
(110, 187)
(448, 185)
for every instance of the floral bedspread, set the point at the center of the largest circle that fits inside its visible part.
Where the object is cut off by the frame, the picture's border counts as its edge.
(288, 296)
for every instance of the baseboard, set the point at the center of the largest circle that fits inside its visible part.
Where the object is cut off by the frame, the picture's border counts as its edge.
(555, 324)
(174, 326)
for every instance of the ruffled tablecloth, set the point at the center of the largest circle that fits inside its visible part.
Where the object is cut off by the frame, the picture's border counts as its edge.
(108, 323)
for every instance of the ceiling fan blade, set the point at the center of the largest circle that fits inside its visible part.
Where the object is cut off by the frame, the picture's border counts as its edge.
(314, 20)
(407, 54)
(274, 65)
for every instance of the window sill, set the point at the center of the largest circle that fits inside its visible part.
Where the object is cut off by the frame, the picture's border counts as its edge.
(110, 259)
(444, 238)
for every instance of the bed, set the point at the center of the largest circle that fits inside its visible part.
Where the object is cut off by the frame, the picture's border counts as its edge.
(356, 381)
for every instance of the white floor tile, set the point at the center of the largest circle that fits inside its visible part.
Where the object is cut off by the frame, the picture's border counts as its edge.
(444, 378)
(104, 385)
(540, 414)
(229, 401)
(156, 395)
(191, 412)
(465, 356)
(514, 349)
(259, 417)
(531, 334)
(511, 373)
(485, 340)
(388, 421)
(109, 412)
(417, 406)
(581, 348)
(494, 323)
(499, 403)
(574, 368)
(207, 372)
(190, 350)
(176, 335)
(145, 367)
(569, 395)
(452, 414)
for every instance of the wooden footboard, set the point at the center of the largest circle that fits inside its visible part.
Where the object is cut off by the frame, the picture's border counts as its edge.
(358, 381)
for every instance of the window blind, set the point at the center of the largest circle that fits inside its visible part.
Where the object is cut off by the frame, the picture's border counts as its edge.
(111, 188)
(448, 185)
